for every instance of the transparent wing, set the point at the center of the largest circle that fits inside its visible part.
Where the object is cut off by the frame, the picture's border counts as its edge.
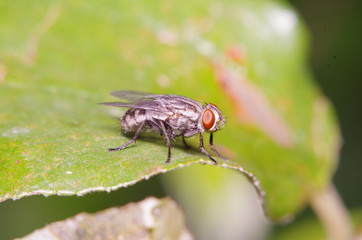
(137, 99)
(118, 104)
(146, 104)
(163, 103)
(132, 96)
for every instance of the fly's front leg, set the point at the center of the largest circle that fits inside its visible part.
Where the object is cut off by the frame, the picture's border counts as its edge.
(130, 141)
(168, 142)
(211, 143)
(202, 148)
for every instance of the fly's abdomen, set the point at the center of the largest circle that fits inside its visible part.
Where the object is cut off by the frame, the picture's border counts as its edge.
(132, 119)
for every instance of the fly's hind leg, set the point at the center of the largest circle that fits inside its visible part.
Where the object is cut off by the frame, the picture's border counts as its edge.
(211, 143)
(167, 138)
(130, 141)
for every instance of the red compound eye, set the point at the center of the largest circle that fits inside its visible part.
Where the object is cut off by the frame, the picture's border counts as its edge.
(208, 119)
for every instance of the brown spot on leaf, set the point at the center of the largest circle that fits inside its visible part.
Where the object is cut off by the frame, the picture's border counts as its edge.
(3, 72)
(163, 80)
(29, 175)
(167, 37)
(251, 106)
(227, 152)
(154, 170)
(236, 54)
(74, 137)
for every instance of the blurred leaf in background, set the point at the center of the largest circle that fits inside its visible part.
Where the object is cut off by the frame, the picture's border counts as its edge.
(151, 218)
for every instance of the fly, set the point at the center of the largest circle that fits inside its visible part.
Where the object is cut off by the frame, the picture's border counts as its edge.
(168, 115)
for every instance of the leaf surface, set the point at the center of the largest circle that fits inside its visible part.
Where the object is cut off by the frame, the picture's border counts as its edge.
(58, 59)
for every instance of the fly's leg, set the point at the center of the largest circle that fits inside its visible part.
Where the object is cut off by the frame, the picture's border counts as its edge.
(130, 141)
(211, 143)
(202, 148)
(184, 141)
(168, 142)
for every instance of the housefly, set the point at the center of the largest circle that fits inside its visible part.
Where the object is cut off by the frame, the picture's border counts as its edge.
(168, 115)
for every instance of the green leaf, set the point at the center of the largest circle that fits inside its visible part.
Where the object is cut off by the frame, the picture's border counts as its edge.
(58, 59)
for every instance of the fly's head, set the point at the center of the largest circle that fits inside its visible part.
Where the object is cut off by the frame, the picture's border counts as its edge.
(212, 118)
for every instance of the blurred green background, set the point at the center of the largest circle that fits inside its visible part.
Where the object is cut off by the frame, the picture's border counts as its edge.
(335, 59)
(336, 62)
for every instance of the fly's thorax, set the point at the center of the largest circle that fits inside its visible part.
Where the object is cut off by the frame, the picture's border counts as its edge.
(211, 118)
(184, 115)
(180, 123)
